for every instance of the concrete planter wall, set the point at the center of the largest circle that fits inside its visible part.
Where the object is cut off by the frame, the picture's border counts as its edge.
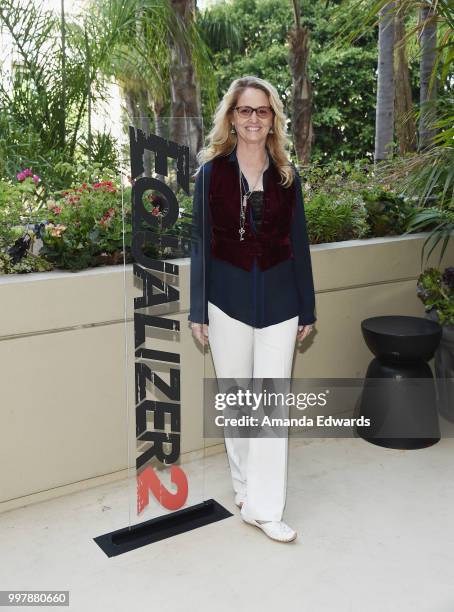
(63, 415)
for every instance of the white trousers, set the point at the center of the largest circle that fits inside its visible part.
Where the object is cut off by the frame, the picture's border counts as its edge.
(258, 465)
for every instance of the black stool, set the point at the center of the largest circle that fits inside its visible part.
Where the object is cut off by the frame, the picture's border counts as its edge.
(399, 394)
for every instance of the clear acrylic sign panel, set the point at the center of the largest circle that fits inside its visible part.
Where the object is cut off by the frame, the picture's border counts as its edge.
(165, 366)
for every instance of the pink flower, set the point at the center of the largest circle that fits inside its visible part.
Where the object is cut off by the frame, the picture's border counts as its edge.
(107, 216)
(155, 211)
(105, 186)
(23, 174)
(57, 210)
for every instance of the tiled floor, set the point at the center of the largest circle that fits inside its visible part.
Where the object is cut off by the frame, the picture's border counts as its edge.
(376, 535)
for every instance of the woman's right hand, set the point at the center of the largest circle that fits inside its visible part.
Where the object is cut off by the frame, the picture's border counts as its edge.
(200, 332)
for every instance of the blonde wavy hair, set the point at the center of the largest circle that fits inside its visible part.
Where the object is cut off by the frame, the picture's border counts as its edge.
(221, 141)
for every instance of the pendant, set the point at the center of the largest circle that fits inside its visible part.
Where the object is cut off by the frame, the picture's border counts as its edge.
(241, 232)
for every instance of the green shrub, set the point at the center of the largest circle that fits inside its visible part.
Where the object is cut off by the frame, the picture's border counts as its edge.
(21, 202)
(387, 213)
(436, 290)
(379, 210)
(11, 209)
(331, 220)
(28, 263)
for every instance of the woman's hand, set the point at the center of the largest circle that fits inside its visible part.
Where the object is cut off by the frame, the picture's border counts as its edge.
(200, 332)
(303, 331)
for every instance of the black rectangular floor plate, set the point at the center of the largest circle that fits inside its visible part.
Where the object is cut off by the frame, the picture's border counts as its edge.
(162, 527)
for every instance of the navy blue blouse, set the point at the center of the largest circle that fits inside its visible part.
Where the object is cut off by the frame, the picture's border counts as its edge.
(258, 298)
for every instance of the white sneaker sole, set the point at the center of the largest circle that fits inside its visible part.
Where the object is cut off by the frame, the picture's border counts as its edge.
(260, 526)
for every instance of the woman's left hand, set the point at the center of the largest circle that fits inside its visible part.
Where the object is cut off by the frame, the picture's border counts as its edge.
(303, 331)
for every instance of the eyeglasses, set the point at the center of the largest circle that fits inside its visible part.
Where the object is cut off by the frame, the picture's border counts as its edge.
(263, 112)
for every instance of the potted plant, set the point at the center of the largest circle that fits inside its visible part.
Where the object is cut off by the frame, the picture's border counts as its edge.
(436, 290)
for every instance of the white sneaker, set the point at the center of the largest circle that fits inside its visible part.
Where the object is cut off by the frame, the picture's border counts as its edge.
(276, 530)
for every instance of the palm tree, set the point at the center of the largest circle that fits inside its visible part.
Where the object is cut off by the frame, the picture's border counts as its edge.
(141, 70)
(429, 173)
(428, 89)
(299, 40)
(384, 123)
(404, 120)
(164, 69)
(184, 88)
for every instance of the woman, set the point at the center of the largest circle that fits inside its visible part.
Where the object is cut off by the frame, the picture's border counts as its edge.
(252, 292)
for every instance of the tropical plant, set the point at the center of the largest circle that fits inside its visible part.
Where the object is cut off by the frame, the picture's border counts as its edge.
(440, 221)
(101, 150)
(58, 74)
(428, 179)
(167, 48)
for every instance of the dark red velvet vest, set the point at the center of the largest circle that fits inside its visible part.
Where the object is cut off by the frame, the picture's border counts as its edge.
(271, 244)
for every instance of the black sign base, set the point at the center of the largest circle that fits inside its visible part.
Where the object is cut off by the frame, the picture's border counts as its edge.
(162, 527)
